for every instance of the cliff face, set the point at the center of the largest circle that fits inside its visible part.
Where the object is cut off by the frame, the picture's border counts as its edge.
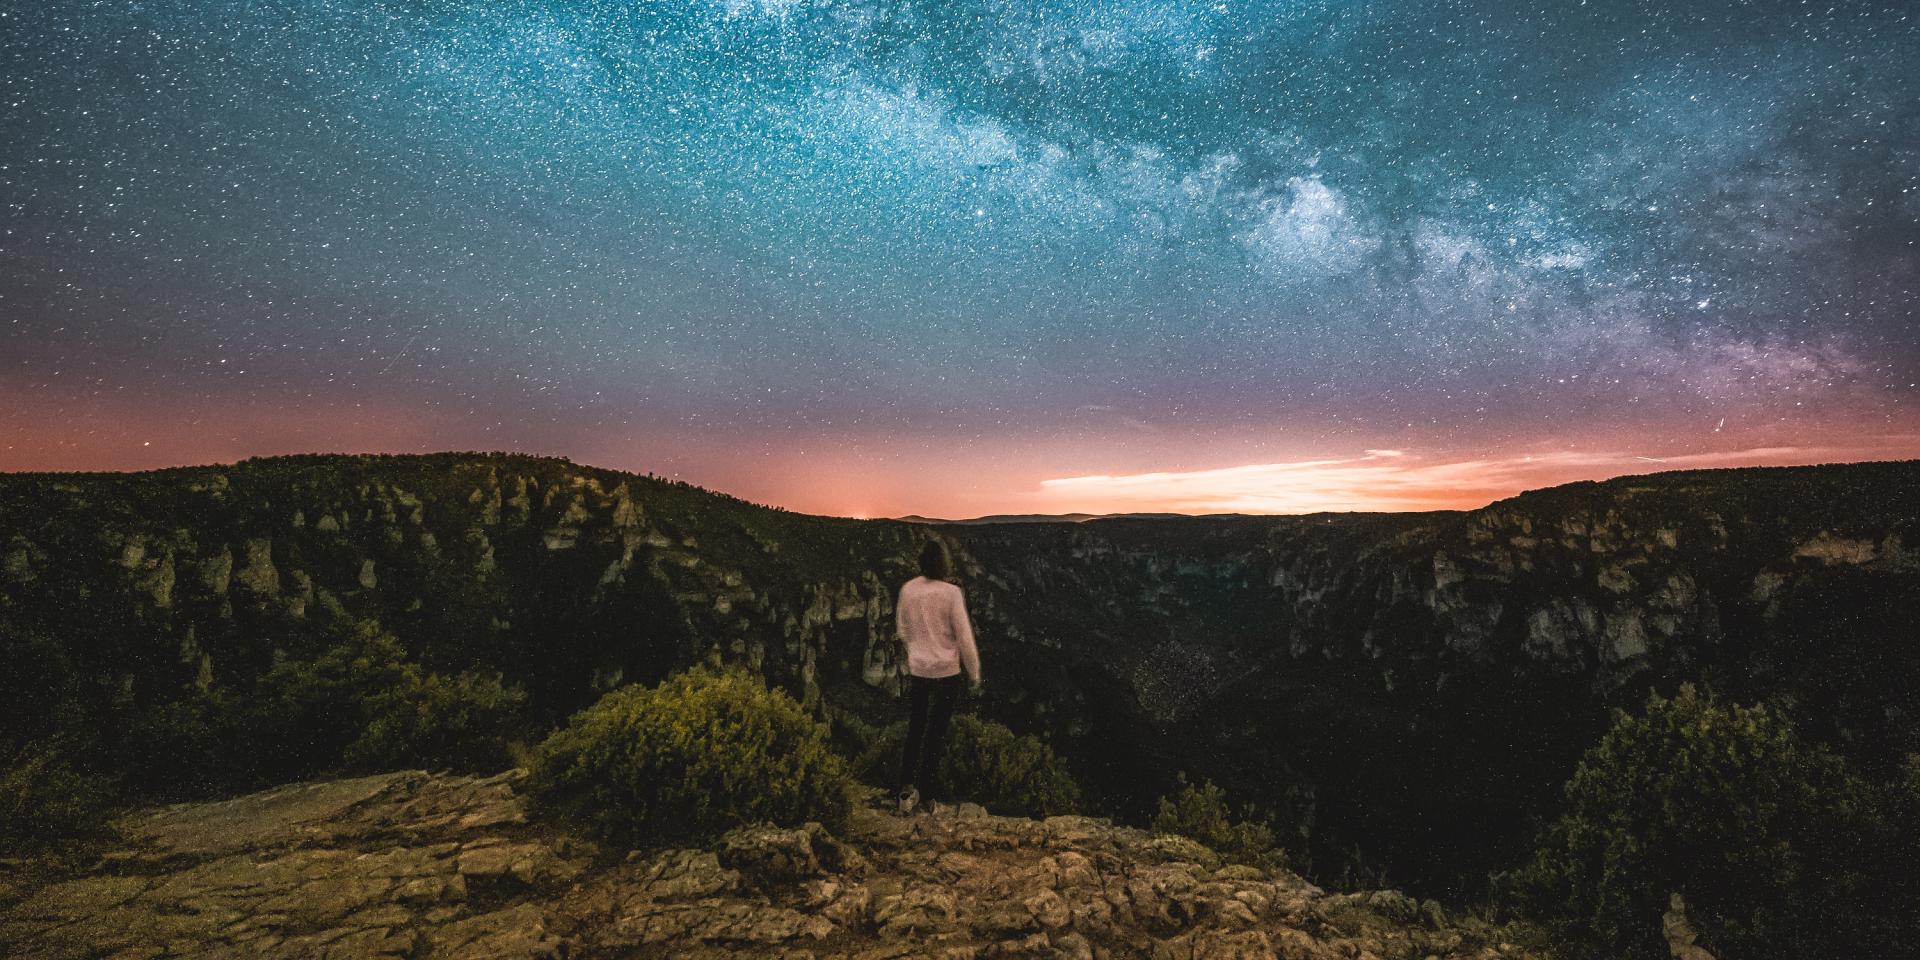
(408, 865)
(1407, 689)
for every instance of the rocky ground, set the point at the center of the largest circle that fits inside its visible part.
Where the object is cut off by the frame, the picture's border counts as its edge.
(415, 865)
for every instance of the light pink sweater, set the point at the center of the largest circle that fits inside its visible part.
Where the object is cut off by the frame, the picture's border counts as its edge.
(931, 619)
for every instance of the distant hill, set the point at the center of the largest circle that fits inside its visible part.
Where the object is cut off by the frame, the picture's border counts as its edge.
(1047, 517)
(1407, 689)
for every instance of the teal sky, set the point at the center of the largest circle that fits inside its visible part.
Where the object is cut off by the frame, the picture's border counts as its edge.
(943, 252)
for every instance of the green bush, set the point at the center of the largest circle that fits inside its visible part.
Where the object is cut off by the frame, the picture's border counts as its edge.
(1902, 806)
(1891, 855)
(358, 704)
(465, 722)
(1201, 813)
(1007, 772)
(705, 751)
(856, 740)
(362, 705)
(1722, 804)
(987, 764)
(47, 805)
(197, 747)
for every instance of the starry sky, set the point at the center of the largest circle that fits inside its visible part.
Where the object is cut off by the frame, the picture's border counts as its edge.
(968, 256)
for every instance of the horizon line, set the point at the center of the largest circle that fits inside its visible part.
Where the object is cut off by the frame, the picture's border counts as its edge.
(1250, 485)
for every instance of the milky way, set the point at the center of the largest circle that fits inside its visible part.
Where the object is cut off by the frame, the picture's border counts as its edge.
(966, 256)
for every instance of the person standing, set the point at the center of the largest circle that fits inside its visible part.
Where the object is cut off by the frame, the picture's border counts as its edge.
(931, 621)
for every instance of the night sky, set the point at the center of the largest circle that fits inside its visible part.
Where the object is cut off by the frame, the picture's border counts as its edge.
(967, 257)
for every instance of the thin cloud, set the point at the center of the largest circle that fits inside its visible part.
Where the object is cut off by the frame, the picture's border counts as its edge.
(1391, 480)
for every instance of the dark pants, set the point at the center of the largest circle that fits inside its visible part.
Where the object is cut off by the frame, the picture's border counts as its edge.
(927, 732)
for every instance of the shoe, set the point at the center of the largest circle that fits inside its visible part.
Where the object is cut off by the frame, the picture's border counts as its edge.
(909, 798)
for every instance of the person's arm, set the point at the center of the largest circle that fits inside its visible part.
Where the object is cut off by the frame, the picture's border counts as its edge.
(963, 637)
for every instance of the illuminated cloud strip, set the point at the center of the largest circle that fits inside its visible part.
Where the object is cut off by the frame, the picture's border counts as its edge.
(1391, 480)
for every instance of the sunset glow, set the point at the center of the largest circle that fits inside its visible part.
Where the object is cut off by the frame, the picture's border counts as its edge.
(1389, 481)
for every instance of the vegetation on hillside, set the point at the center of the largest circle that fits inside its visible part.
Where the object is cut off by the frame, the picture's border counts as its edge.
(1404, 693)
(354, 702)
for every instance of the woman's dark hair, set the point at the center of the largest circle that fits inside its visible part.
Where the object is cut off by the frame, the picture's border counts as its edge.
(934, 564)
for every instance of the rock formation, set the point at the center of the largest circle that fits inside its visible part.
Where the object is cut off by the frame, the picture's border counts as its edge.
(1679, 932)
(410, 865)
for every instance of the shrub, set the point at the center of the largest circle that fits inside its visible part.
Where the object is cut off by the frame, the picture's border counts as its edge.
(359, 704)
(1007, 772)
(428, 719)
(1902, 804)
(1891, 854)
(1719, 803)
(988, 764)
(705, 751)
(363, 705)
(45, 804)
(856, 740)
(1201, 813)
(198, 746)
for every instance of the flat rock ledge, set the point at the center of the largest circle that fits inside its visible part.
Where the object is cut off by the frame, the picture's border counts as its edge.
(414, 865)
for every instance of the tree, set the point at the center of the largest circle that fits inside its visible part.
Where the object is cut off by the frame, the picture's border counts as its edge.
(1722, 804)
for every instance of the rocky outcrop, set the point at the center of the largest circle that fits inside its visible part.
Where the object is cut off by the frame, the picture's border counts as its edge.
(418, 866)
(352, 868)
(1679, 932)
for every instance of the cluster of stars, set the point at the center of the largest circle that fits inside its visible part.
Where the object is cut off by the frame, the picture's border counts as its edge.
(634, 231)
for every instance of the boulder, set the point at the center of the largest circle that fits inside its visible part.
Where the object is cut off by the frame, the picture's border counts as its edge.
(767, 855)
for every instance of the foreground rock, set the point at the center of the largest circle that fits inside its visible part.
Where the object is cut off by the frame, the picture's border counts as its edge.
(411, 865)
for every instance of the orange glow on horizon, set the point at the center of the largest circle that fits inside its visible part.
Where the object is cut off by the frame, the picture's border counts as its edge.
(1393, 481)
(886, 476)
